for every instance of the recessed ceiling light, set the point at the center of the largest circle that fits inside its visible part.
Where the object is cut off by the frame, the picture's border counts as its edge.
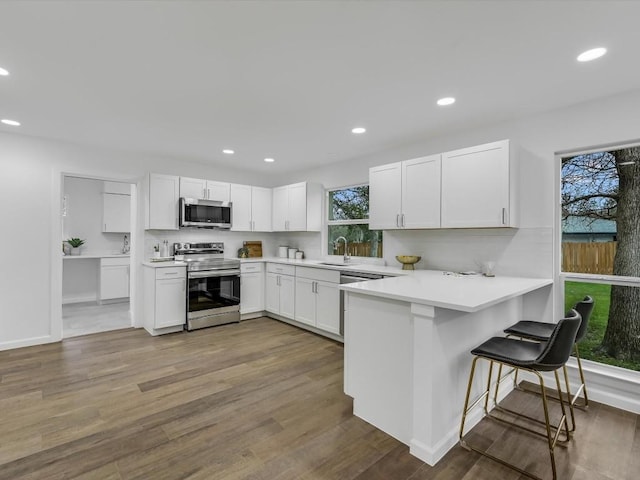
(269, 160)
(228, 151)
(4, 72)
(13, 123)
(592, 54)
(446, 101)
(358, 130)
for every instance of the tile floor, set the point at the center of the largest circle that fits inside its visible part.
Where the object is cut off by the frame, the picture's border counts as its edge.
(84, 318)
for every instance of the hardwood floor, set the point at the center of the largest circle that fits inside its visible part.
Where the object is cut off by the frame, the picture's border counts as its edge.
(259, 400)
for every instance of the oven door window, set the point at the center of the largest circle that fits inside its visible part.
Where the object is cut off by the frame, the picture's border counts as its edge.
(213, 292)
(207, 214)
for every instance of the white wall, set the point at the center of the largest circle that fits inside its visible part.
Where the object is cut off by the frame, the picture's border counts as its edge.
(30, 194)
(529, 249)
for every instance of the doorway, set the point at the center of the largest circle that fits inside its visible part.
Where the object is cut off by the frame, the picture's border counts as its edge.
(97, 223)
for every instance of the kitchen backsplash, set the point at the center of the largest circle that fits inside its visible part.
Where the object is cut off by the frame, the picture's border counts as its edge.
(232, 240)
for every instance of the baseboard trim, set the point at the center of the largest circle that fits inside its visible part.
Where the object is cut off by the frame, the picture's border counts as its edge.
(28, 342)
(304, 326)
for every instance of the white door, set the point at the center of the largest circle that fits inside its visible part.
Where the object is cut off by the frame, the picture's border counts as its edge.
(261, 209)
(280, 207)
(241, 208)
(298, 207)
(218, 191)
(385, 197)
(328, 307)
(272, 293)
(170, 302)
(193, 188)
(305, 301)
(163, 202)
(421, 192)
(116, 213)
(287, 296)
(475, 186)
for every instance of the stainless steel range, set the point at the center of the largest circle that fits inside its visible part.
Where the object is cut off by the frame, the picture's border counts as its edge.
(213, 296)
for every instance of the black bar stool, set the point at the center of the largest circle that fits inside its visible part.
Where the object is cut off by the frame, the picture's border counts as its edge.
(533, 357)
(541, 332)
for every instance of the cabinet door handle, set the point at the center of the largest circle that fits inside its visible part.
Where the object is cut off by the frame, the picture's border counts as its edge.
(403, 220)
(397, 220)
(504, 216)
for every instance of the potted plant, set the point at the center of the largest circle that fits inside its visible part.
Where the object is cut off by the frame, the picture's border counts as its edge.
(75, 244)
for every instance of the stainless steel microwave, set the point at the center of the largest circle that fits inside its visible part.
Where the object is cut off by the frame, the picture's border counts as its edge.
(204, 213)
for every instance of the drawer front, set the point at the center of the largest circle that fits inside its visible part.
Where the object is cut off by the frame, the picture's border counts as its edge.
(320, 274)
(251, 267)
(170, 272)
(114, 261)
(281, 269)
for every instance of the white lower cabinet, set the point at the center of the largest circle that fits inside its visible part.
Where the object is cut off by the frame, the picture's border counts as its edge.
(251, 288)
(165, 294)
(280, 290)
(114, 278)
(318, 298)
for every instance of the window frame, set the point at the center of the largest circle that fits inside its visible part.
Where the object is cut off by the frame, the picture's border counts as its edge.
(328, 223)
(560, 277)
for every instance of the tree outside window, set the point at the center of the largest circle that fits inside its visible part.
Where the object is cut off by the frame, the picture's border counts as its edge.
(348, 217)
(601, 234)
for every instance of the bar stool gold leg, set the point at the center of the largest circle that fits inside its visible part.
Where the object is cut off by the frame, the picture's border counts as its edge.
(569, 398)
(584, 384)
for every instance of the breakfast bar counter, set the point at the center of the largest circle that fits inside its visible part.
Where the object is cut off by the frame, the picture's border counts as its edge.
(407, 342)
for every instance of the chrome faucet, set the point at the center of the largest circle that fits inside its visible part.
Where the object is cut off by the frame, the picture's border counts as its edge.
(346, 249)
(125, 244)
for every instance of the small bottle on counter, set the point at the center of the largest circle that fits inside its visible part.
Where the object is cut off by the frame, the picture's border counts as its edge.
(164, 252)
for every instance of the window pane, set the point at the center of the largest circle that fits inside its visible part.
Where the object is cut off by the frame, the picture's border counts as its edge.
(362, 242)
(600, 212)
(349, 203)
(608, 339)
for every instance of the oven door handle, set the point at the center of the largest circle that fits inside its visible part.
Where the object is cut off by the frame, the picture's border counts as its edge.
(214, 273)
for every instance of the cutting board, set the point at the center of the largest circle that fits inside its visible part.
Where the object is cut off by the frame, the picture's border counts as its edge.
(254, 247)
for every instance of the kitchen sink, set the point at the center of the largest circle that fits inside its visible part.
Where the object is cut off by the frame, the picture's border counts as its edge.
(338, 264)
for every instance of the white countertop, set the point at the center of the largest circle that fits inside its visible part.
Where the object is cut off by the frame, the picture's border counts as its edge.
(95, 255)
(455, 292)
(353, 267)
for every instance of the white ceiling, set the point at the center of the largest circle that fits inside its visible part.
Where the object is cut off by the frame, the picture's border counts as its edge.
(290, 79)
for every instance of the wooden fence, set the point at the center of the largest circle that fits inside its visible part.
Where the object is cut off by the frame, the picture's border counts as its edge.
(595, 257)
(358, 249)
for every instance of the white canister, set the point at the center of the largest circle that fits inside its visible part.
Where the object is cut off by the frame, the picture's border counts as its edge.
(283, 251)
(299, 255)
(292, 253)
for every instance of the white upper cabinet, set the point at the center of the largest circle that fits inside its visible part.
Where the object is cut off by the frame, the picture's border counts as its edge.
(219, 191)
(193, 188)
(385, 196)
(251, 208)
(478, 187)
(162, 202)
(204, 189)
(116, 213)
(297, 208)
(405, 194)
(261, 209)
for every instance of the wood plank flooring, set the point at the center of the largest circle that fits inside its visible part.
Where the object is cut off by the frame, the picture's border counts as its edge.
(259, 400)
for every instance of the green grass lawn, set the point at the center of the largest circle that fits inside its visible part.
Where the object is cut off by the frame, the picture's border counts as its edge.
(589, 346)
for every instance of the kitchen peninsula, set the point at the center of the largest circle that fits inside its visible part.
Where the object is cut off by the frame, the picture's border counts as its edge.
(407, 342)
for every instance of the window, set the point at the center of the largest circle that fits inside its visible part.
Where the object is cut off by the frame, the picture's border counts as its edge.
(348, 217)
(600, 211)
